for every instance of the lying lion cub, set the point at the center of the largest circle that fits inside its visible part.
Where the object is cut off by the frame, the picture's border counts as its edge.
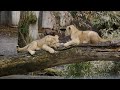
(46, 43)
(78, 36)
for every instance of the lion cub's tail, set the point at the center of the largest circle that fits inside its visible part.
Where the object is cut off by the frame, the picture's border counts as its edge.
(22, 49)
(102, 40)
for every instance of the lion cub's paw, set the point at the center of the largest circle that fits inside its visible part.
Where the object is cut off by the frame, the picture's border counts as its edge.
(17, 46)
(61, 43)
(32, 52)
(118, 50)
(65, 45)
(55, 51)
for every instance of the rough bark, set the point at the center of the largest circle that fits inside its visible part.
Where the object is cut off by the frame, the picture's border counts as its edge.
(23, 62)
(15, 17)
(23, 31)
(33, 28)
(28, 27)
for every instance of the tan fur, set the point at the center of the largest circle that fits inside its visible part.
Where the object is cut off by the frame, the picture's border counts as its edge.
(78, 36)
(45, 43)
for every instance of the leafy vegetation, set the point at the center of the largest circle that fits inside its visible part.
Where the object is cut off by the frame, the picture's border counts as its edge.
(105, 22)
(79, 69)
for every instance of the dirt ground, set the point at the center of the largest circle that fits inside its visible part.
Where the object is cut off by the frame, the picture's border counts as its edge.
(8, 41)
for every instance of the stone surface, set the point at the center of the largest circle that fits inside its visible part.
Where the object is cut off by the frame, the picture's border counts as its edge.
(8, 41)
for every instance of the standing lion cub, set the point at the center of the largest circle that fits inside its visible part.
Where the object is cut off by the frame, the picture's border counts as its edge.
(46, 43)
(78, 36)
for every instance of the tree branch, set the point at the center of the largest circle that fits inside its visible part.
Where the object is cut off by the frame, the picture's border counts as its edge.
(23, 62)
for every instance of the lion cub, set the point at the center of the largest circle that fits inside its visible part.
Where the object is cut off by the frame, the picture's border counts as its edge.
(46, 43)
(78, 36)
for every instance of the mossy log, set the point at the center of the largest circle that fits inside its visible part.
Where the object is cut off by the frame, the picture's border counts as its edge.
(23, 62)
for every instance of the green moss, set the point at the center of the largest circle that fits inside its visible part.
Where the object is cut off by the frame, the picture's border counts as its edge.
(27, 18)
(53, 71)
(73, 13)
(32, 18)
(79, 69)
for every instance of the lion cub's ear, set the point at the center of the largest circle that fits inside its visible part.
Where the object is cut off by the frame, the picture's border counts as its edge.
(56, 36)
(69, 28)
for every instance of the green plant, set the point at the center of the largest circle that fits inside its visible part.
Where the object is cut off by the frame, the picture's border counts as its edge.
(32, 18)
(79, 69)
(103, 21)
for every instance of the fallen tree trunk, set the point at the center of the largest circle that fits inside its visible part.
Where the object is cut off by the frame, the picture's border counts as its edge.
(23, 62)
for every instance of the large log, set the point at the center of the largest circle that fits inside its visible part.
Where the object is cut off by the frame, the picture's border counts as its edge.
(23, 62)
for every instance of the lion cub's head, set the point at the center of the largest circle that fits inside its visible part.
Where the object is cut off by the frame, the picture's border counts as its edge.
(52, 40)
(56, 39)
(69, 30)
